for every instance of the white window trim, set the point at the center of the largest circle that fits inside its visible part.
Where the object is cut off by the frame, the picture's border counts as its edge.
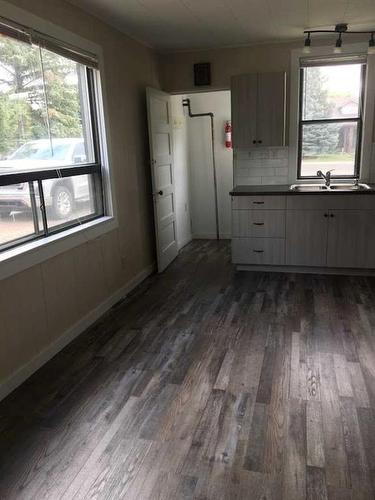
(367, 174)
(19, 258)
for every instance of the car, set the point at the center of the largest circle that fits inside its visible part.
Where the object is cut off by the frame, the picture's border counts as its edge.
(60, 195)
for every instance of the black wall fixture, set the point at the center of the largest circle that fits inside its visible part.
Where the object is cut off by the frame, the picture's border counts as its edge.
(202, 74)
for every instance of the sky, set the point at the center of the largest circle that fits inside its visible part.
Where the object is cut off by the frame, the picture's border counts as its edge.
(343, 79)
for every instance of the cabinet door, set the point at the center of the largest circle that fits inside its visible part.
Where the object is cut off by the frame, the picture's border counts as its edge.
(271, 109)
(351, 239)
(306, 237)
(244, 109)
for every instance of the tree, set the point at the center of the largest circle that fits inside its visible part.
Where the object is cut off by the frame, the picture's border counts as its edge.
(39, 95)
(317, 138)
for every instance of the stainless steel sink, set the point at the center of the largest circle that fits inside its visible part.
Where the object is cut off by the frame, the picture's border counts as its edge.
(350, 187)
(333, 187)
(308, 187)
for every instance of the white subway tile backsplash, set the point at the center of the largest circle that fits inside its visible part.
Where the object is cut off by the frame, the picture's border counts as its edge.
(277, 162)
(262, 172)
(284, 171)
(249, 181)
(261, 166)
(277, 179)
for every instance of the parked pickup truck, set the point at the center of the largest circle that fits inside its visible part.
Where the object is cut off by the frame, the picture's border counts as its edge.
(60, 195)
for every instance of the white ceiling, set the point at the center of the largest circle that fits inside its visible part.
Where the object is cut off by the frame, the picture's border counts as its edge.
(191, 24)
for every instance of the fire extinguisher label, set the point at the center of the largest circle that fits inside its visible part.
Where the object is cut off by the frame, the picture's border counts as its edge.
(228, 135)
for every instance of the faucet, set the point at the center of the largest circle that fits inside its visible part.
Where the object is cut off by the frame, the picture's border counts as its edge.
(326, 176)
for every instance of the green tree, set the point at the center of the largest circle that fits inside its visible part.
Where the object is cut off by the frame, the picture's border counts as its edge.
(318, 138)
(39, 96)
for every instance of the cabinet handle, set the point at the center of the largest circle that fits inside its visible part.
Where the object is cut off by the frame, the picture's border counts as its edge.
(325, 215)
(254, 141)
(331, 215)
(258, 223)
(258, 251)
(260, 142)
(258, 202)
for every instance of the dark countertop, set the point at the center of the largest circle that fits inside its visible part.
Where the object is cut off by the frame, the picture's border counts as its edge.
(283, 189)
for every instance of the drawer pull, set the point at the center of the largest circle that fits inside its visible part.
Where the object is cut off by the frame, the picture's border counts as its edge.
(258, 202)
(258, 223)
(258, 251)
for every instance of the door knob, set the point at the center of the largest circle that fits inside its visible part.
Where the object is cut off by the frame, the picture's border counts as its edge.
(160, 192)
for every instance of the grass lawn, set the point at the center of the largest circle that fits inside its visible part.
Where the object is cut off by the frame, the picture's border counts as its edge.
(340, 157)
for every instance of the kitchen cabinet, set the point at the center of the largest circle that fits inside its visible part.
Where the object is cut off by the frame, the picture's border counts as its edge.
(258, 230)
(258, 109)
(244, 109)
(351, 239)
(321, 231)
(306, 237)
(270, 128)
(258, 251)
(258, 223)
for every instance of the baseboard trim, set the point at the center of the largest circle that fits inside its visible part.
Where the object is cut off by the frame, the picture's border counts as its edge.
(183, 243)
(211, 236)
(25, 371)
(306, 270)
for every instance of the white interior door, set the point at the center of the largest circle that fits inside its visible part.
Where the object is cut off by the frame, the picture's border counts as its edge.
(162, 171)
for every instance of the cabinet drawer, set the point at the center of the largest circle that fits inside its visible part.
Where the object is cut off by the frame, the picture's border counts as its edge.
(259, 202)
(258, 223)
(266, 251)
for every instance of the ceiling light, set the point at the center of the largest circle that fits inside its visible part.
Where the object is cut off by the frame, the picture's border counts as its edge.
(371, 45)
(340, 29)
(338, 49)
(307, 47)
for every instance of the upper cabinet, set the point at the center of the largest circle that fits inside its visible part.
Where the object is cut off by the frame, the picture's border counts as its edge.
(258, 109)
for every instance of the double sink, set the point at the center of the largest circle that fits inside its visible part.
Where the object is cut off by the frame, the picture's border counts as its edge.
(333, 187)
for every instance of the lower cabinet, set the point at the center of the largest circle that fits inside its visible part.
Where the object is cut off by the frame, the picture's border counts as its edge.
(311, 231)
(351, 239)
(306, 237)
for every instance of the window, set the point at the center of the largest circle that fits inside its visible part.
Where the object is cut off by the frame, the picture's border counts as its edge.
(50, 159)
(330, 122)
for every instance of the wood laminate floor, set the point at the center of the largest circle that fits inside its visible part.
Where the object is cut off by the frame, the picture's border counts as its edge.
(205, 383)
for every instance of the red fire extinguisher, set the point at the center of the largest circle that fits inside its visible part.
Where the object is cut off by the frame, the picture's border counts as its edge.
(228, 134)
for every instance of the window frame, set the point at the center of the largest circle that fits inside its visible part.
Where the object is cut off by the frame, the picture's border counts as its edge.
(359, 121)
(34, 253)
(36, 177)
(321, 50)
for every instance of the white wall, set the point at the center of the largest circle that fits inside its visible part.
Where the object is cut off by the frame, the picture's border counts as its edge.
(200, 162)
(181, 171)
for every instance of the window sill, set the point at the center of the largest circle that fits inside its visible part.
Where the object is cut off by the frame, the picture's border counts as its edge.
(18, 259)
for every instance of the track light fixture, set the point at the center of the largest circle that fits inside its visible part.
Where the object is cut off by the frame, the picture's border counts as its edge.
(337, 49)
(371, 45)
(340, 29)
(307, 47)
